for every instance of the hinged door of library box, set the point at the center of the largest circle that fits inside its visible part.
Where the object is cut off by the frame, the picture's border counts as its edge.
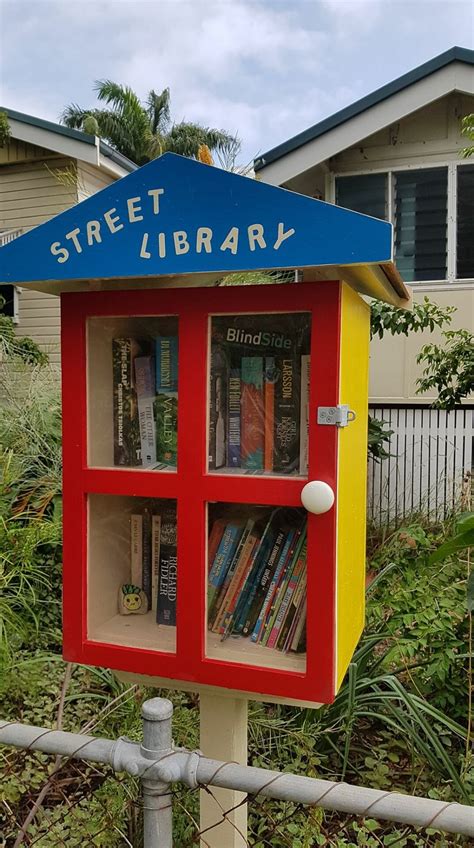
(190, 429)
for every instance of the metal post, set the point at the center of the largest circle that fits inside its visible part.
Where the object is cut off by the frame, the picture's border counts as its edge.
(157, 804)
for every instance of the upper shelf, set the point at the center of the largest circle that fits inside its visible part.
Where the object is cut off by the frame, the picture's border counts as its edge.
(177, 218)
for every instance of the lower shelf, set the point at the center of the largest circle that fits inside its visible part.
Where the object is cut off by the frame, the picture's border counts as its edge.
(242, 650)
(136, 631)
(142, 631)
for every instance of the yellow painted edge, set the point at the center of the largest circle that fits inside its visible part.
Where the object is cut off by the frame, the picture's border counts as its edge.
(352, 477)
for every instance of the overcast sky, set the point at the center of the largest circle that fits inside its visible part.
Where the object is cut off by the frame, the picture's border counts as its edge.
(266, 69)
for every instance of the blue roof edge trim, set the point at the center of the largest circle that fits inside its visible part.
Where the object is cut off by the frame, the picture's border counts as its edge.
(77, 135)
(176, 216)
(454, 54)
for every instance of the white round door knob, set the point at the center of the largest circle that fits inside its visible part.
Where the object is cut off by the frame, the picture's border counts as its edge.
(317, 497)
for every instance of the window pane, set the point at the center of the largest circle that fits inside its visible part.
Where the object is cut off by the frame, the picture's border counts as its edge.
(256, 598)
(133, 392)
(366, 194)
(132, 571)
(465, 218)
(421, 224)
(258, 394)
(7, 301)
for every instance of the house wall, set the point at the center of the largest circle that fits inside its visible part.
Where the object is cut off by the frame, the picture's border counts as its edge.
(428, 137)
(35, 185)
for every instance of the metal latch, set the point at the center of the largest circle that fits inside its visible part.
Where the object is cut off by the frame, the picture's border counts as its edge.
(340, 415)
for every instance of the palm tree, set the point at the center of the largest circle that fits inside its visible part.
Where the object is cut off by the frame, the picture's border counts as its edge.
(144, 131)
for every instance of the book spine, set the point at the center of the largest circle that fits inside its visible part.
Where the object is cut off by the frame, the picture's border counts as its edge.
(145, 387)
(304, 413)
(136, 550)
(166, 422)
(287, 591)
(155, 560)
(298, 579)
(127, 447)
(146, 565)
(239, 577)
(252, 413)
(166, 612)
(263, 583)
(220, 594)
(222, 560)
(295, 613)
(286, 453)
(300, 629)
(269, 404)
(215, 537)
(218, 407)
(166, 348)
(233, 417)
(248, 595)
(260, 623)
(280, 588)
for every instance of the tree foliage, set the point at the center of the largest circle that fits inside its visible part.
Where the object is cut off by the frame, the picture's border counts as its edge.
(143, 131)
(467, 129)
(5, 132)
(15, 348)
(449, 368)
(400, 322)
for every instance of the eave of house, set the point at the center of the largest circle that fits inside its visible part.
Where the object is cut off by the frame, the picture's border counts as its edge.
(450, 72)
(68, 142)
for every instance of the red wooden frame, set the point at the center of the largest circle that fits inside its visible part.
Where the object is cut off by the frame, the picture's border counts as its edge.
(193, 487)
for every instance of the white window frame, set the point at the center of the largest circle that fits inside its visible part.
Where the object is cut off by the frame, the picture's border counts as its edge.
(452, 168)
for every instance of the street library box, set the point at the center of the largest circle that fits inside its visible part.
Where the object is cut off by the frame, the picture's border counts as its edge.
(215, 435)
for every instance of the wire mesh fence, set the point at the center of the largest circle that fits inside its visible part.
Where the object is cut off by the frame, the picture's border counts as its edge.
(101, 792)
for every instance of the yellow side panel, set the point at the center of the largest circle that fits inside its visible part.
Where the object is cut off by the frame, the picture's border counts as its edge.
(352, 477)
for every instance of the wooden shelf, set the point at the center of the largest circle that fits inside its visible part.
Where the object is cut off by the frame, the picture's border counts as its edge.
(242, 650)
(136, 631)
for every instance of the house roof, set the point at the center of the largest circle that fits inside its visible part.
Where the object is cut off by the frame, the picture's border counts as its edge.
(61, 139)
(455, 54)
(176, 217)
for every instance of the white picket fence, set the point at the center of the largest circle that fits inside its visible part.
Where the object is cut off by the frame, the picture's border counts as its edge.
(431, 455)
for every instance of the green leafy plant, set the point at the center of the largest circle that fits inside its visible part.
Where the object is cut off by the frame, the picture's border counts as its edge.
(378, 435)
(467, 129)
(5, 132)
(449, 368)
(425, 315)
(143, 131)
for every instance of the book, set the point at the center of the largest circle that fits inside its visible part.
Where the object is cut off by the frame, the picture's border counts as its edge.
(166, 421)
(286, 450)
(237, 605)
(167, 585)
(127, 444)
(257, 631)
(280, 587)
(233, 419)
(299, 635)
(136, 550)
(263, 582)
(252, 413)
(239, 576)
(215, 537)
(225, 552)
(219, 596)
(155, 559)
(146, 557)
(287, 591)
(304, 413)
(145, 388)
(218, 384)
(290, 602)
(270, 376)
(166, 351)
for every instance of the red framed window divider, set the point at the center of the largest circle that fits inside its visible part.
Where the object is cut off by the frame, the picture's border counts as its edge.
(193, 487)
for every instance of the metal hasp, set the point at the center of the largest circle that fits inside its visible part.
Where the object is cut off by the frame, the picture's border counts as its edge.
(339, 415)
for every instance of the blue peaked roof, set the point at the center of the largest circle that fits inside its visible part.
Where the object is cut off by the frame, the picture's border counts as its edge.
(176, 216)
